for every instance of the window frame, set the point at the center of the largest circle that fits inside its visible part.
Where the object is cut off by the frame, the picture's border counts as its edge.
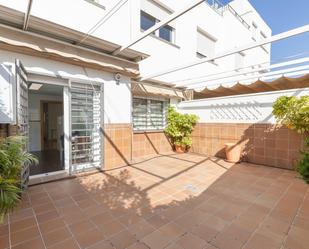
(156, 34)
(165, 102)
(172, 33)
(145, 14)
(199, 54)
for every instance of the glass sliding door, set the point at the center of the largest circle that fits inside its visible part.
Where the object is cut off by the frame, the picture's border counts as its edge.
(86, 119)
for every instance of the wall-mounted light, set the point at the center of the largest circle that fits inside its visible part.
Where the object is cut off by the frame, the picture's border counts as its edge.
(35, 86)
(117, 77)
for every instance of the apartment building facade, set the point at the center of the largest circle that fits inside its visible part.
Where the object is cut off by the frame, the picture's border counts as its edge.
(64, 89)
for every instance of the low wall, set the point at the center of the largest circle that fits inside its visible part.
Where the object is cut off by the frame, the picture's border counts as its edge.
(266, 144)
(121, 145)
(117, 145)
(246, 120)
(150, 143)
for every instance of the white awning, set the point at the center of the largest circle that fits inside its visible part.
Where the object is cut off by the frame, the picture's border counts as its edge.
(282, 83)
(145, 89)
(36, 45)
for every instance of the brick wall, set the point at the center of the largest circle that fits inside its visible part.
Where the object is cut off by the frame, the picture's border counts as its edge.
(7, 130)
(150, 143)
(267, 144)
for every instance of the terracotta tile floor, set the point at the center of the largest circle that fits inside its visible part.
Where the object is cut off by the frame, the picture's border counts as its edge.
(172, 201)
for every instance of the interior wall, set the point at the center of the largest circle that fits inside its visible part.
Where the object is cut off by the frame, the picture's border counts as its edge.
(35, 118)
(55, 123)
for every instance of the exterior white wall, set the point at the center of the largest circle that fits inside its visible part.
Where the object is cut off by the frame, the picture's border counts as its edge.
(250, 108)
(6, 93)
(124, 25)
(117, 97)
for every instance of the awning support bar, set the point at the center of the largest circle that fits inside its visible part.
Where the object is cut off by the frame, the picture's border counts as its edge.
(169, 19)
(278, 37)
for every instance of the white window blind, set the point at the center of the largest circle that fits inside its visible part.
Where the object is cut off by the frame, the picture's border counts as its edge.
(239, 60)
(149, 114)
(205, 45)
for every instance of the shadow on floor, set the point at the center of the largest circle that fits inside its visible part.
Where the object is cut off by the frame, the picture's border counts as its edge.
(177, 201)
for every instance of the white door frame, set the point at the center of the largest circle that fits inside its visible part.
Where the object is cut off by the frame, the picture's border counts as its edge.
(66, 84)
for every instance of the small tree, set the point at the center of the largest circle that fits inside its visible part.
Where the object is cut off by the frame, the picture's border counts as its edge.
(293, 112)
(180, 126)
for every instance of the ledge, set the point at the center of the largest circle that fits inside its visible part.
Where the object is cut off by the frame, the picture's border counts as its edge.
(147, 131)
(165, 41)
(96, 4)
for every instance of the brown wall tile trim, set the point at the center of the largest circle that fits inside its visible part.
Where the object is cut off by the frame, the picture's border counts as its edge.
(267, 144)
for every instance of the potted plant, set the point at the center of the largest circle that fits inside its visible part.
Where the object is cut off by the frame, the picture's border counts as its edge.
(14, 160)
(293, 112)
(232, 152)
(179, 129)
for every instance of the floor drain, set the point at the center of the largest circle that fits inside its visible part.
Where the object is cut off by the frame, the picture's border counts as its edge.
(191, 188)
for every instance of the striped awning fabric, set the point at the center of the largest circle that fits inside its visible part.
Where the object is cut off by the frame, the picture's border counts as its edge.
(282, 83)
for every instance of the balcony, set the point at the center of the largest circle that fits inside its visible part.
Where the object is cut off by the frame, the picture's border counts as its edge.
(216, 6)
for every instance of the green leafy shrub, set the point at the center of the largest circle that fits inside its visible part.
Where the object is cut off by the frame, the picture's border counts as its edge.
(303, 165)
(293, 112)
(180, 126)
(12, 159)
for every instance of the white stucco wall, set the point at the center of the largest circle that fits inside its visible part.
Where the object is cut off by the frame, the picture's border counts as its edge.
(250, 108)
(6, 93)
(117, 97)
(124, 26)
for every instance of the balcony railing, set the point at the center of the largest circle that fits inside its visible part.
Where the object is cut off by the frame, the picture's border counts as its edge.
(216, 6)
(239, 18)
(220, 8)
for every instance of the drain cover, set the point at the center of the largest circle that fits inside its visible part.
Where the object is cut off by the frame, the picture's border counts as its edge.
(191, 188)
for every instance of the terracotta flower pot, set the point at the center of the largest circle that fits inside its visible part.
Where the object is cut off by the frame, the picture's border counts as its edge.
(180, 148)
(232, 152)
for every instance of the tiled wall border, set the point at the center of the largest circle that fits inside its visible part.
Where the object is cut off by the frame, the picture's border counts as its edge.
(267, 144)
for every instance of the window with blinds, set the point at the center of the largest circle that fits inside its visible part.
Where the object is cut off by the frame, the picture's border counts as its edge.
(149, 114)
(205, 45)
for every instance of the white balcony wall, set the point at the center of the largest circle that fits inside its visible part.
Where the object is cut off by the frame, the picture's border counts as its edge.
(124, 26)
(227, 30)
(249, 108)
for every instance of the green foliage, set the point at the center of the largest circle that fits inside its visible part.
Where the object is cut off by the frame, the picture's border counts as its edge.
(12, 158)
(303, 165)
(294, 113)
(180, 126)
(9, 196)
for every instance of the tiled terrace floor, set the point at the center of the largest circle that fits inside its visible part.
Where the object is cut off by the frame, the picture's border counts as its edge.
(177, 201)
